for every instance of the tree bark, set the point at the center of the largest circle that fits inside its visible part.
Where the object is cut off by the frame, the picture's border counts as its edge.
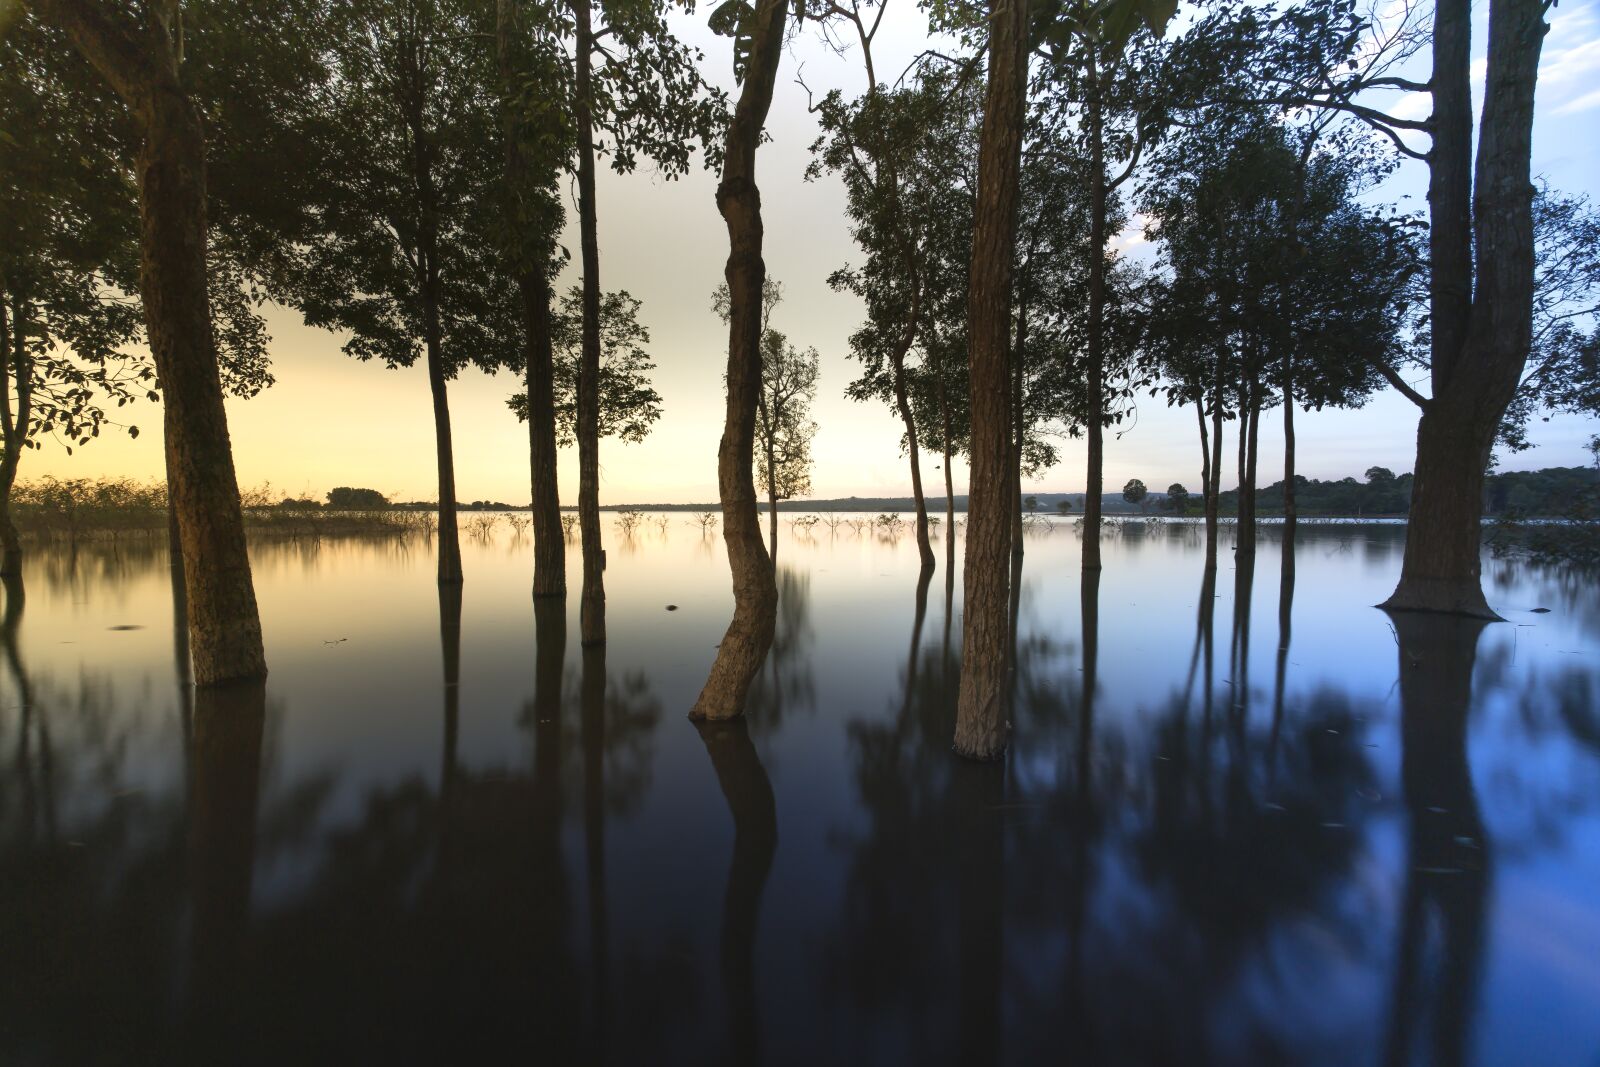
(1014, 473)
(140, 63)
(533, 286)
(755, 591)
(1095, 371)
(1478, 350)
(592, 609)
(981, 711)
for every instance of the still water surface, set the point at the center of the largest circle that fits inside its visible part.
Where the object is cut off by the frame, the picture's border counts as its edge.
(1232, 827)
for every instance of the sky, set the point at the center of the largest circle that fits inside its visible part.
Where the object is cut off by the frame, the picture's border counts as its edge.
(331, 420)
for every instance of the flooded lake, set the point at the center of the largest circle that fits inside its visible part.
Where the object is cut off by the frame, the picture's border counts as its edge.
(1231, 828)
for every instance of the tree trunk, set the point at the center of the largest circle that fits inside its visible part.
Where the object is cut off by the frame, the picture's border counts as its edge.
(1290, 510)
(533, 285)
(1208, 489)
(1014, 473)
(755, 591)
(772, 509)
(225, 625)
(449, 534)
(981, 711)
(592, 610)
(549, 539)
(1095, 371)
(1478, 352)
(14, 427)
(1247, 512)
(949, 486)
(903, 404)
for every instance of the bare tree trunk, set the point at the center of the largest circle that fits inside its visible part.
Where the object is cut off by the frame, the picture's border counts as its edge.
(1480, 340)
(1095, 371)
(140, 64)
(949, 480)
(533, 286)
(981, 711)
(592, 610)
(772, 508)
(755, 590)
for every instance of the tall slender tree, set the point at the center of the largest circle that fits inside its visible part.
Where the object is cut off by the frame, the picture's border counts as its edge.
(757, 34)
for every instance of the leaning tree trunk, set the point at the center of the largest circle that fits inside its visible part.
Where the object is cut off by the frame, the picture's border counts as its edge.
(755, 591)
(143, 70)
(1095, 371)
(1478, 351)
(981, 710)
(533, 290)
(592, 610)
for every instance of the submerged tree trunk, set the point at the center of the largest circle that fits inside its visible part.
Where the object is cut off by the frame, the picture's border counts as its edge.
(533, 287)
(981, 711)
(592, 610)
(1095, 371)
(1480, 338)
(755, 590)
(143, 70)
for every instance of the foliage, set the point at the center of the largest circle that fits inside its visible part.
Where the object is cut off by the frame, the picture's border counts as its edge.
(1177, 499)
(629, 404)
(355, 499)
(1135, 492)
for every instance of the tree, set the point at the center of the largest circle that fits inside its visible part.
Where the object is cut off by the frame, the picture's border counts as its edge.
(401, 254)
(1064, 506)
(895, 169)
(757, 34)
(1177, 500)
(1135, 493)
(537, 140)
(628, 404)
(783, 424)
(1481, 252)
(645, 97)
(783, 429)
(140, 55)
(67, 252)
(981, 713)
(356, 499)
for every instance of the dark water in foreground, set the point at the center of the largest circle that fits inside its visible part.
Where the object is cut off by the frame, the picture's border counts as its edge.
(1231, 828)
